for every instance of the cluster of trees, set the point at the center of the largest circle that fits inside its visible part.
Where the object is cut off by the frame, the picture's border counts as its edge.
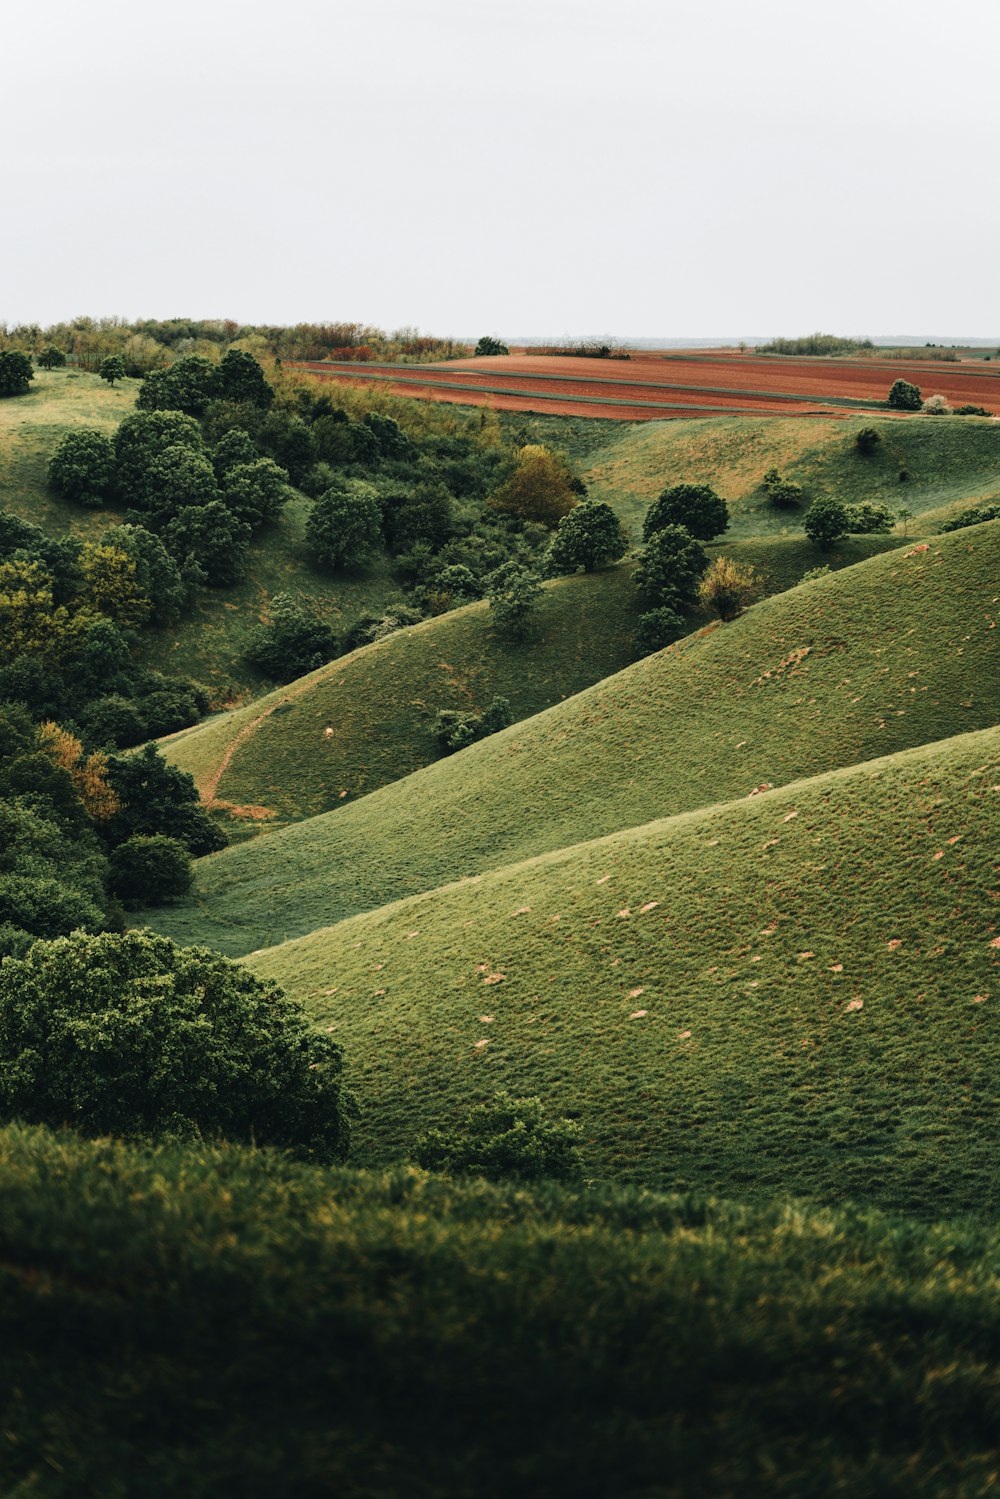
(83, 834)
(150, 344)
(817, 343)
(69, 615)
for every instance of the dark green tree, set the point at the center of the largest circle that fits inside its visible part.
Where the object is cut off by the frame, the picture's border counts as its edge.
(212, 538)
(52, 358)
(149, 869)
(156, 571)
(144, 436)
(826, 522)
(16, 373)
(290, 640)
(233, 448)
(156, 797)
(345, 525)
(242, 379)
(188, 385)
(670, 566)
(257, 492)
(514, 592)
(696, 507)
(903, 396)
(658, 628)
(590, 535)
(82, 468)
(112, 368)
(129, 1035)
(174, 480)
(506, 1138)
(870, 520)
(488, 345)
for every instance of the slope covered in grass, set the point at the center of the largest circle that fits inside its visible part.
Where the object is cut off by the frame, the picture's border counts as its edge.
(220, 1322)
(368, 718)
(948, 460)
(793, 992)
(897, 651)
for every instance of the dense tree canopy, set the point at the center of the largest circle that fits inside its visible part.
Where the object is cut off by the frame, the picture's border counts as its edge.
(696, 507)
(591, 534)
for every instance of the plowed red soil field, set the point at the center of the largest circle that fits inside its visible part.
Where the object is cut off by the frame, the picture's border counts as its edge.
(657, 386)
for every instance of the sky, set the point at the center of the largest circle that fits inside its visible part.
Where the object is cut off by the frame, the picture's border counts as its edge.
(637, 168)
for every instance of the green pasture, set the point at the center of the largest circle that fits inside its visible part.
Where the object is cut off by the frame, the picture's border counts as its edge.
(895, 652)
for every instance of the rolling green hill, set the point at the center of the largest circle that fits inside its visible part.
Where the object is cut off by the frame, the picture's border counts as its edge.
(791, 993)
(368, 718)
(951, 462)
(220, 1322)
(881, 657)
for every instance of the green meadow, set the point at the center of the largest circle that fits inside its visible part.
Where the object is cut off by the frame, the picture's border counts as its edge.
(885, 656)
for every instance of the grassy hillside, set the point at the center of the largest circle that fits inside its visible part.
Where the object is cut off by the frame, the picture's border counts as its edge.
(787, 993)
(368, 718)
(951, 462)
(439, 1339)
(884, 656)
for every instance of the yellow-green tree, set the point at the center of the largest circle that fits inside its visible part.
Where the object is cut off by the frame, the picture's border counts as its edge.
(539, 489)
(111, 587)
(728, 587)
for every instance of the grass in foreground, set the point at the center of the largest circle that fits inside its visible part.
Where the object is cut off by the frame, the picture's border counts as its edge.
(794, 992)
(895, 652)
(218, 1322)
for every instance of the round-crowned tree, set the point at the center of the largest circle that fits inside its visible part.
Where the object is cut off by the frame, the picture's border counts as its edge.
(345, 524)
(588, 536)
(903, 396)
(539, 489)
(112, 368)
(130, 1035)
(257, 492)
(52, 358)
(696, 507)
(670, 565)
(658, 628)
(240, 378)
(82, 467)
(143, 436)
(826, 522)
(233, 448)
(213, 537)
(188, 385)
(16, 373)
(728, 587)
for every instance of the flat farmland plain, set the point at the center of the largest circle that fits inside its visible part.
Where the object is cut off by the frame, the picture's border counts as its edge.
(658, 386)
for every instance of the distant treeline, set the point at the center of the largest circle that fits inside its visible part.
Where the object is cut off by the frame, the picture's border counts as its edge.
(818, 343)
(151, 344)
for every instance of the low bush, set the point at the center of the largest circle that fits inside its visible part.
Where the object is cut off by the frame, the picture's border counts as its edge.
(147, 870)
(507, 1137)
(455, 730)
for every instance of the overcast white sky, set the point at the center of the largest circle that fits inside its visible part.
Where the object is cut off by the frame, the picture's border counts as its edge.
(641, 167)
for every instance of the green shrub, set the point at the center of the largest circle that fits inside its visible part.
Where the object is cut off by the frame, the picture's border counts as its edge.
(782, 492)
(488, 345)
(903, 396)
(455, 729)
(696, 507)
(867, 440)
(936, 406)
(131, 1036)
(507, 1137)
(147, 870)
(823, 571)
(869, 520)
(15, 373)
(973, 517)
(969, 410)
(257, 492)
(514, 592)
(345, 525)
